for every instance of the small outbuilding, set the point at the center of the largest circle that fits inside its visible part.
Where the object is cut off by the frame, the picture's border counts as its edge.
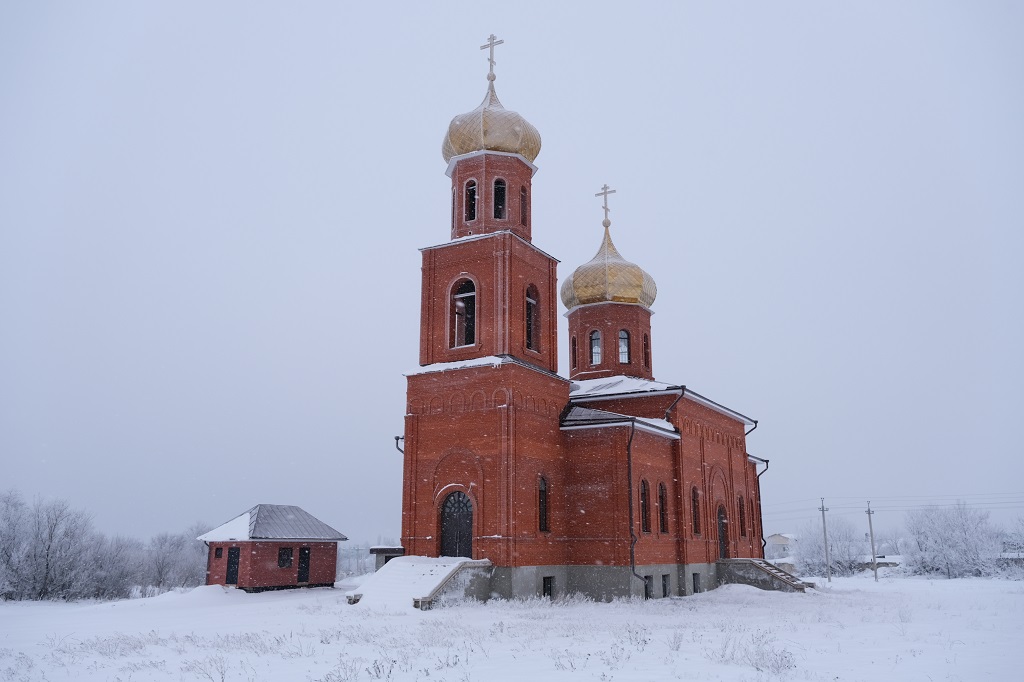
(272, 547)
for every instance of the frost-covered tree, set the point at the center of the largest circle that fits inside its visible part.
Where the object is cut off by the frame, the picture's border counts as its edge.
(57, 545)
(954, 541)
(13, 544)
(846, 548)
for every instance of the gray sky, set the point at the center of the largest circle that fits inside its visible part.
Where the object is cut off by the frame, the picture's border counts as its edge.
(210, 216)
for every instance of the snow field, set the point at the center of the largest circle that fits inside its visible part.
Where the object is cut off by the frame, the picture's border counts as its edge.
(900, 628)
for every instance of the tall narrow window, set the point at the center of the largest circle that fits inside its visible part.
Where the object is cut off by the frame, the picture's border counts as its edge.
(471, 200)
(662, 508)
(623, 347)
(595, 347)
(647, 352)
(542, 505)
(743, 519)
(499, 199)
(532, 318)
(695, 510)
(573, 354)
(645, 507)
(453, 208)
(522, 206)
(463, 314)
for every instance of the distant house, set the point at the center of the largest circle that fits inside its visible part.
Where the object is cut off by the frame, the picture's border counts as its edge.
(272, 547)
(779, 545)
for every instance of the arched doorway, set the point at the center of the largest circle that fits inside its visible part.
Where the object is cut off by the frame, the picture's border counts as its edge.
(723, 533)
(457, 526)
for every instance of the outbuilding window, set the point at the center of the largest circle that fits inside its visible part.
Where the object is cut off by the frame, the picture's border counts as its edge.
(284, 557)
(218, 553)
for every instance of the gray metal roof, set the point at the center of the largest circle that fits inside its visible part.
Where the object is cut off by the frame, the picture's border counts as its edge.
(274, 522)
(288, 522)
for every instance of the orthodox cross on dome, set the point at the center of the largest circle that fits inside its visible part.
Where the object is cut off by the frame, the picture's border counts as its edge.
(605, 191)
(491, 42)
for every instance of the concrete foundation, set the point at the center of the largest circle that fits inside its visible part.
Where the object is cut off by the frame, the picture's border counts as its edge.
(602, 583)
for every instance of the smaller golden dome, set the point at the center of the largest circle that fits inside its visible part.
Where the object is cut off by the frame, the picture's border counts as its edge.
(608, 277)
(491, 127)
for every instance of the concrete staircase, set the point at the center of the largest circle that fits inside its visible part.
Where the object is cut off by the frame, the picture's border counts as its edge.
(759, 573)
(420, 581)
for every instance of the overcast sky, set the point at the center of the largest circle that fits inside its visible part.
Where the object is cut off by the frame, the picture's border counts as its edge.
(210, 216)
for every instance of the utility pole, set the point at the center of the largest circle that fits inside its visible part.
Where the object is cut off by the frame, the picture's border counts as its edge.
(874, 560)
(824, 530)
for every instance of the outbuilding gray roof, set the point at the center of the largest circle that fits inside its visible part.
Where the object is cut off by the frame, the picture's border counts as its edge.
(273, 522)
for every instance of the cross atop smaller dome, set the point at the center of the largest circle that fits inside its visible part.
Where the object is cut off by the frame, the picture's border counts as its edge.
(608, 276)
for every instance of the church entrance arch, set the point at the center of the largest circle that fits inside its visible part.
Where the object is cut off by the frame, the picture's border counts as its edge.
(723, 533)
(457, 525)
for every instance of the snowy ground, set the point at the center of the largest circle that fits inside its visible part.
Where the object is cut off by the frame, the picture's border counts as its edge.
(898, 629)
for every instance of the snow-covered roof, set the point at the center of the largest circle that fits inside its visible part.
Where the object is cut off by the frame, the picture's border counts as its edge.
(609, 388)
(586, 418)
(486, 361)
(273, 522)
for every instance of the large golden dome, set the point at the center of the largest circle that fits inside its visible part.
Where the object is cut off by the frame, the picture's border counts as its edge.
(491, 127)
(608, 277)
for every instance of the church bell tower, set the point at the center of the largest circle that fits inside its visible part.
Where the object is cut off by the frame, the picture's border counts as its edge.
(487, 391)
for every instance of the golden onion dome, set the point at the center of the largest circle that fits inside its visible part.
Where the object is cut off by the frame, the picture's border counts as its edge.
(608, 277)
(491, 127)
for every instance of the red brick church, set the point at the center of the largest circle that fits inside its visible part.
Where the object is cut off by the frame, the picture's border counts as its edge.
(608, 482)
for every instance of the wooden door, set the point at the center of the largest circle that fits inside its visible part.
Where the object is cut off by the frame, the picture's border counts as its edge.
(304, 565)
(232, 574)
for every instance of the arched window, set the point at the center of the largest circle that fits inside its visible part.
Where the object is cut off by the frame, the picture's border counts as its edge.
(532, 318)
(463, 314)
(743, 518)
(623, 347)
(499, 199)
(573, 354)
(542, 505)
(595, 347)
(662, 508)
(471, 200)
(647, 352)
(695, 510)
(522, 205)
(645, 507)
(453, 208)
